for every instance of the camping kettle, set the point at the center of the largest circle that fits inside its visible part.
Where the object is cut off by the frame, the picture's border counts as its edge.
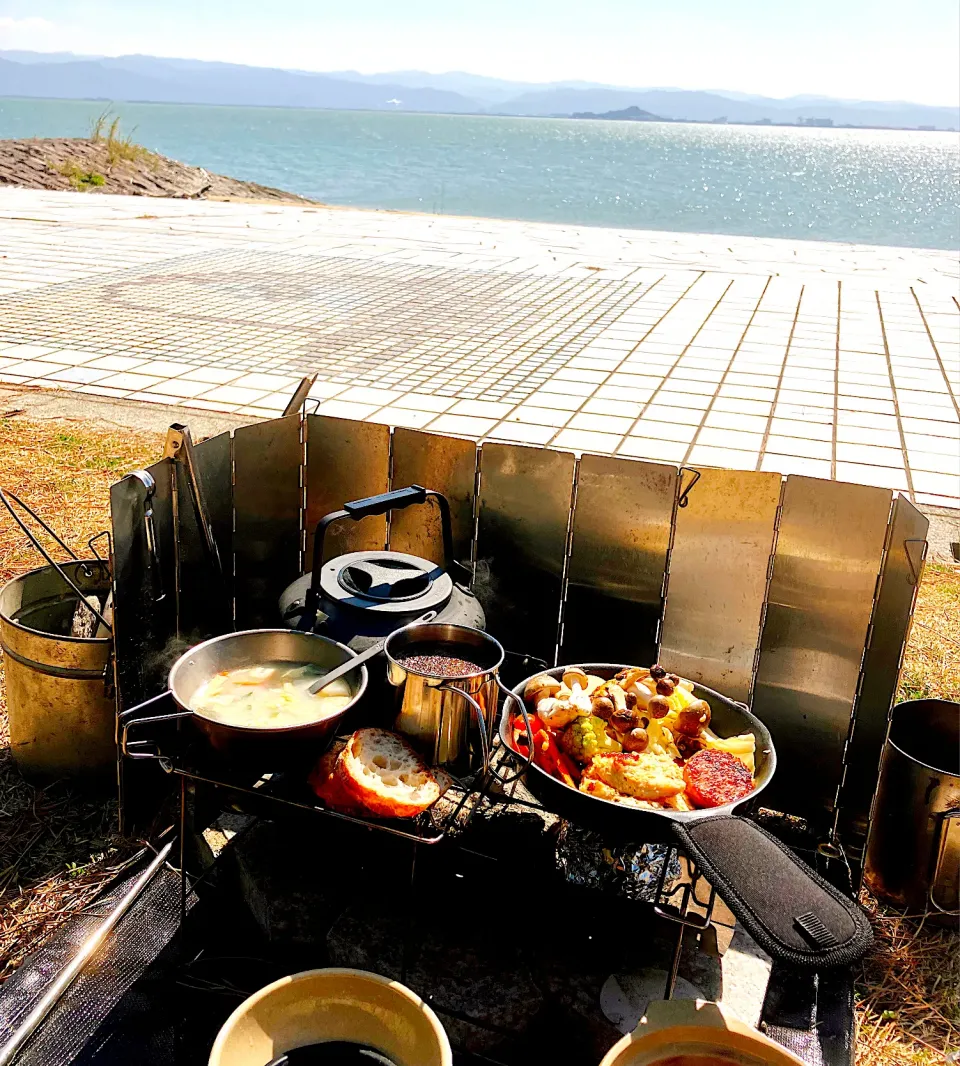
(361, 597)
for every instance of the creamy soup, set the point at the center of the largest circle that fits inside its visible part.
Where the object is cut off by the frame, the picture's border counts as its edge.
(269, 696)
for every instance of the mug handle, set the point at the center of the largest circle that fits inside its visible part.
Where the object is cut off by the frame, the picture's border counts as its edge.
(524, 761)
(481, 724)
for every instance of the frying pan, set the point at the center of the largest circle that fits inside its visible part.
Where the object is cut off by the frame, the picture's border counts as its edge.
(792, 912)
(636, 824)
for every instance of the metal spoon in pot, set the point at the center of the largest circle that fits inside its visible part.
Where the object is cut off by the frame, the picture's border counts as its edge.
(351, 664)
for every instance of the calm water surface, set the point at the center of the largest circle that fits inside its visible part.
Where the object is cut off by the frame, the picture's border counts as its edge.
(878, 187)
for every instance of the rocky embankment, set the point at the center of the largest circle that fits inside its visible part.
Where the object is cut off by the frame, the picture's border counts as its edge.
(101, 166)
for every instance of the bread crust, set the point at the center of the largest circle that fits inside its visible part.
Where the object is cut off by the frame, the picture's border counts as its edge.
(381, 771)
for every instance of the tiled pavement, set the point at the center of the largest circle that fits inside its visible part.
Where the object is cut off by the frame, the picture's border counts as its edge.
(830, 360)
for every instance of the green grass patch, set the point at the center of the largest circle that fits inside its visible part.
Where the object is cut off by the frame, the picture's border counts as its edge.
(79, 178)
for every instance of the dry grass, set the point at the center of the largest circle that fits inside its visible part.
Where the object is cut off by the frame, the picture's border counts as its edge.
(908, 997)
(57, 848)
(105, 130)
(909, 992)
(931, 666)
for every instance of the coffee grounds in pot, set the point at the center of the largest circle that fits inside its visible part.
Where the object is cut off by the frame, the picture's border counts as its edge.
(440, 665)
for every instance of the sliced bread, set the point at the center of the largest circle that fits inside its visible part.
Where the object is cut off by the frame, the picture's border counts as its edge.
(382, 772)
(325, 783)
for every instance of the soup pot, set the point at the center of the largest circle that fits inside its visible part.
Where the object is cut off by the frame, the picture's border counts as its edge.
(249, 648)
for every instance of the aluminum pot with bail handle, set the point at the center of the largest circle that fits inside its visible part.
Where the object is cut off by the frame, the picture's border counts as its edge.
(360, 597)
(913, 852)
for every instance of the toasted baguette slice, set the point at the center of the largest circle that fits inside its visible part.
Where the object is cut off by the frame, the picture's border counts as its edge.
(383, 773)
(325, 783)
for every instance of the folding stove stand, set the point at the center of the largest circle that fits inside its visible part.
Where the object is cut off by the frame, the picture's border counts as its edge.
(490, 888)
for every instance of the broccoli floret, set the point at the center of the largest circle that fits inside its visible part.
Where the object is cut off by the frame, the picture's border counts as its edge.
(585, 737)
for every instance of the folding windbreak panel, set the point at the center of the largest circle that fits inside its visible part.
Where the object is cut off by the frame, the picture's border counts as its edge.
(820, 601)
(447, 464)
(525, 499)
(346, 461)
(267, 499)
(144, 582)
(621, 537)
(902, 566)
(718, 579)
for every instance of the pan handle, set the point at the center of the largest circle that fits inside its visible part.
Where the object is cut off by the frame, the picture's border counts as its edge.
(794, 914)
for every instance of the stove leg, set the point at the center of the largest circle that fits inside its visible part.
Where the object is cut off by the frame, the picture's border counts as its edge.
(183, 852)
(675, 964)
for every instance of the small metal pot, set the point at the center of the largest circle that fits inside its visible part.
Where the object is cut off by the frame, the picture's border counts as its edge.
(913, 852)
(450, 719)
(248, 648)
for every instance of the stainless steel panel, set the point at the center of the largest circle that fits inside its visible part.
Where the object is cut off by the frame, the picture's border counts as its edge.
(525, 501)
(825, 570)
(206, 597)
(267, 496)
(447, 464)
(621, 537)
(881, 665)
(144, 627)
(346, 460)
(718, 579)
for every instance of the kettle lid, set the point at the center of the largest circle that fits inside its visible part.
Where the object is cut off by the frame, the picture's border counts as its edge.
(385, 582)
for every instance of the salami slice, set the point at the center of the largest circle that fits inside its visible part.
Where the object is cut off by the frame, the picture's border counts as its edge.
(714, 778)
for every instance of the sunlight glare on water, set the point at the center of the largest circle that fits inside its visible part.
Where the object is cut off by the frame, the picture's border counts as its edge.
(871, 186)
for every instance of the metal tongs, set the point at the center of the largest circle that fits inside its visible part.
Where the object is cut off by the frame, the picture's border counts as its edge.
(84, 567)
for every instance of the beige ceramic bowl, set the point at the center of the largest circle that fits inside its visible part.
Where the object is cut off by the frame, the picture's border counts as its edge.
(678, 1031)
(322, 1005)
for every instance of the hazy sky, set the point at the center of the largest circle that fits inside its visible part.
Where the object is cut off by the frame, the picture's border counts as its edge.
(860, 49)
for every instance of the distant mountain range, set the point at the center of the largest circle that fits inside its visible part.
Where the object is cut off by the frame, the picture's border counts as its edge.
(62, 75)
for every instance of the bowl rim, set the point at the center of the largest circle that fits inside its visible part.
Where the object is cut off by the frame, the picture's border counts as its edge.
(443, 1041)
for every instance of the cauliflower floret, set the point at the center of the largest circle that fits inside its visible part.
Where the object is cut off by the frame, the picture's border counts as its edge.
(586, 737)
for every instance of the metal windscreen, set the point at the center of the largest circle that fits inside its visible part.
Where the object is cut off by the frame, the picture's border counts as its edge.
(768, 589)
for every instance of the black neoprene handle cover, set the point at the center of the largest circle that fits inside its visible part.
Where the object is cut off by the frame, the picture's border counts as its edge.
(792, 913)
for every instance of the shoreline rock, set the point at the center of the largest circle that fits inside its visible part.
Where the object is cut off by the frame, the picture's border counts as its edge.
(104, 166)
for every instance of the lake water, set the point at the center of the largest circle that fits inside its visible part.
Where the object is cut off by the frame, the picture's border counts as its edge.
(877, 187)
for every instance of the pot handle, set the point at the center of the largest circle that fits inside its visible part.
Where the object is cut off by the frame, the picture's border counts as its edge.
(794, 914)
(948, 827)
(481, 724)
(127, 724)
(396, 500)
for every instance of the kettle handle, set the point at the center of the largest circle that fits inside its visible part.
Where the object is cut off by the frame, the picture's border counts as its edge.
(396, 500)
